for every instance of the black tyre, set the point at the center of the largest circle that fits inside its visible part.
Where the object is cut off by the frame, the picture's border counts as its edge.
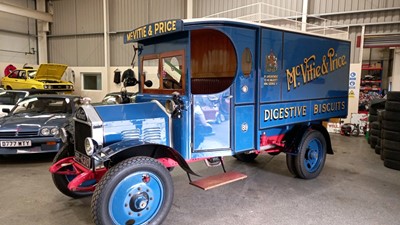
(8, 88)
(391, 125)
(391, 135)
(392, 106)
(311, 157)
(373, 138)
(373, 111)
(246, 157)
(138, 190)
(375, 132)
(393, 116)
(380, 115)
(394, 145)
(392, 164)
(290, 164)
(372, 118)
(392, 155)
(375, 125)
(378, 149)
(393, 96)
(61, 181)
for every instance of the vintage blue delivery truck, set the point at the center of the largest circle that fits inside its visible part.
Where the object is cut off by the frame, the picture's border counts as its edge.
(207, 89)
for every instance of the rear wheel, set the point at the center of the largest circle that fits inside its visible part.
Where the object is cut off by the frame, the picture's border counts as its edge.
(9, 88)
(310, 159)
(137, 190)
(290, 164)
(246, 157)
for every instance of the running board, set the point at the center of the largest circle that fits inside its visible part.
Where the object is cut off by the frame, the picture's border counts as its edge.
(218, 180)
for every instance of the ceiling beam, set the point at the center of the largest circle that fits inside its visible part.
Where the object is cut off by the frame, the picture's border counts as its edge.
(30, 13)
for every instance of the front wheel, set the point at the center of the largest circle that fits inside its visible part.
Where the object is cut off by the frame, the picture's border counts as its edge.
(138, 190)
(61, 181)
(310, 159)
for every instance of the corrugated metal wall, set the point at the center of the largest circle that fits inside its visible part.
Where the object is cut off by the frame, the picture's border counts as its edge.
(76, 36)
(77, 32)
(378, 12)
(80, 24)
(18, 35)
(125, 16)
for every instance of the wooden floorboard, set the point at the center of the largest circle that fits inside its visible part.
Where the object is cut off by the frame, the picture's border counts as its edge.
(218, 180)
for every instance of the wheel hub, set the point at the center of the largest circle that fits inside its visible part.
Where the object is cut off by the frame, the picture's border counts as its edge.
(139, 201)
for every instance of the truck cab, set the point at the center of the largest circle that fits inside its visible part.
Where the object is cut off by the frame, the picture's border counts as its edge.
(208, 88)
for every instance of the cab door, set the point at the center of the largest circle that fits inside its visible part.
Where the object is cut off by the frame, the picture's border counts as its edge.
(244, 109)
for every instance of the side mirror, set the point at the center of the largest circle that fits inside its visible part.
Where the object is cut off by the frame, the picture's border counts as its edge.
(6, 110)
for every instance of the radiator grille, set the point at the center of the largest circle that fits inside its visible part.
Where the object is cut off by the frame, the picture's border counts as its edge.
(82, 131)
(19, 134)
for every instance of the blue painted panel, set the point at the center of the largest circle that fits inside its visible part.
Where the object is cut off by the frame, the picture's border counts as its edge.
(270, 79)
(280, 114)
(242, 39)
(244, 128)
(181, 131)
(143, 121)
(314, 67)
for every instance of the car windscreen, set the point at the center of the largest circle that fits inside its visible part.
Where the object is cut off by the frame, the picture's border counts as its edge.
(43, 105)
(10, 98)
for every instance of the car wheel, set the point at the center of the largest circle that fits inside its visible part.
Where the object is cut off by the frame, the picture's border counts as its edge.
(9, 88)
(61, 181)
(290, 164)
(246, 157)
(138, 190)
(311, 157)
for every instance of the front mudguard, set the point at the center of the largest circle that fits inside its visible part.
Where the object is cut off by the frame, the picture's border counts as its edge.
(80, 173)
(119, 151)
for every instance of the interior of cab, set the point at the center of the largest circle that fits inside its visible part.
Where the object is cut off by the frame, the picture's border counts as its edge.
(213, 62)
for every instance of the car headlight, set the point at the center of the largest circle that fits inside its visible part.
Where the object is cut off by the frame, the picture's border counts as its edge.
(45, 131)
(90, 146)
(46, 87)
(49, 131)
(54, 131)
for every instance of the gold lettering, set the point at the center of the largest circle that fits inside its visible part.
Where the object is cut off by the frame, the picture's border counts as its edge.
(162, 27)
(291, 78)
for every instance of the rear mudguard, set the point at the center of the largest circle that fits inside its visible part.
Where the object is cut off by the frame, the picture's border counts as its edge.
(293, 137)
(122, 150)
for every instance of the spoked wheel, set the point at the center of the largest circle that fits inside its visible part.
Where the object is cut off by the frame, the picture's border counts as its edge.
(310, 159)
(138, 190)
(61, 181)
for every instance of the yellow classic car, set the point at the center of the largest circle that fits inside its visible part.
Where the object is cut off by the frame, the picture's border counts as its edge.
(47, 76)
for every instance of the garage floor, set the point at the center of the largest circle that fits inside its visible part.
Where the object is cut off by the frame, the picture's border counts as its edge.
(353, 188)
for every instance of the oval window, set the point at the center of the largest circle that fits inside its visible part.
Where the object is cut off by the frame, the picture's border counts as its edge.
(246, 62)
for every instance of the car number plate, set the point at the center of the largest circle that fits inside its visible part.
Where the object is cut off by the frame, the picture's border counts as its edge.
(82, 159)
(16, 144)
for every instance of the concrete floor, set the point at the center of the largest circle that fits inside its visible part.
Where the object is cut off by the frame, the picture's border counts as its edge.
(353, 188)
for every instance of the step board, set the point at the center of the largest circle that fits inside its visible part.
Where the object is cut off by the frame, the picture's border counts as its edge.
(218, 180)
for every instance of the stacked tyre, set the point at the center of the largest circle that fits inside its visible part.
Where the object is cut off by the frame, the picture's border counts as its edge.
(391, 131)
(374, 138)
